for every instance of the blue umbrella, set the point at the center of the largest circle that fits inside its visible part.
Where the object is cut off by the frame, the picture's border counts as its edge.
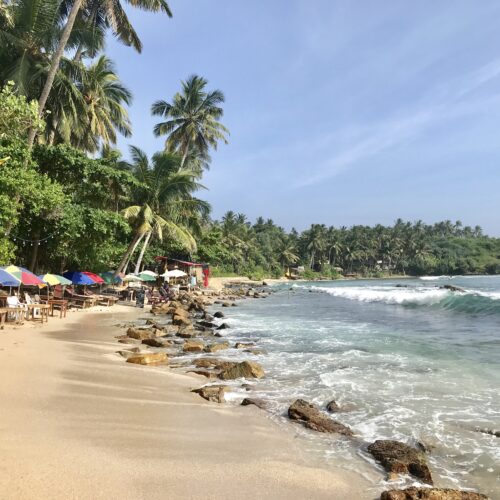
(78, 278)
(7, 279)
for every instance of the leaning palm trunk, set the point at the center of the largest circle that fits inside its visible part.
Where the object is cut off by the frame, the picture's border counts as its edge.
(143, 250)
(54, 65)
(128, 254)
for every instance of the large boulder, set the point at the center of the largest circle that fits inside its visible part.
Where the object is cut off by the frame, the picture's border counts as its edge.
(214, 363)
(332, 407)
(218, 314)
(244, 345)
(136, 333)
(126, 353)
(217, 347)
(399, 458)
(206, 373)
(213, 393)
(313, 418)
(181, 320)
(246, 369)
(431, 494)
(193, 346)
(186, 332)
(151, 358)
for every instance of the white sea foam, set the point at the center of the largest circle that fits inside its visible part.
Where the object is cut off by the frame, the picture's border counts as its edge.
(388, 295)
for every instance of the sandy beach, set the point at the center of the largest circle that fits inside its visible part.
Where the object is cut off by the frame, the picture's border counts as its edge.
(76, 421)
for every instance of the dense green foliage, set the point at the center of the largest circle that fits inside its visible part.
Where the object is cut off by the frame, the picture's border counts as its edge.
(60, 208)
(237, 246)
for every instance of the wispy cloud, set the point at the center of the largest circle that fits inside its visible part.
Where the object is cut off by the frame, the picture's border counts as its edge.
(454, 101)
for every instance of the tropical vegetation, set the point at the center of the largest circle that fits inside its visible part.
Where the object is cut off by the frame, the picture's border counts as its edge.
(69, 200)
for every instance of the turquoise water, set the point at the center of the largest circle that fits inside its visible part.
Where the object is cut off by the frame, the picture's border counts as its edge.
(409, 360)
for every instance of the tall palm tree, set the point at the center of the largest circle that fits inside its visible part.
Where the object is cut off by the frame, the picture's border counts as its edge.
(164, 202)
(192, 118)
(115, 18)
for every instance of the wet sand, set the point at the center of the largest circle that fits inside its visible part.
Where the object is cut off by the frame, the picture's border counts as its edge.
(76, 421)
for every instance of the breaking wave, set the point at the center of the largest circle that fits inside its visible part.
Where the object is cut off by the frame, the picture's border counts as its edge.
(469, 301)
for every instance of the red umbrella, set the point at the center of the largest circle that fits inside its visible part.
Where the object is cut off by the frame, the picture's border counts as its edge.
(24, 276)
(94, 277)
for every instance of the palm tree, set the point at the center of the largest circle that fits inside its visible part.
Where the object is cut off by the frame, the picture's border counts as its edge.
(115, 17)
(191, 118)
(164, 203)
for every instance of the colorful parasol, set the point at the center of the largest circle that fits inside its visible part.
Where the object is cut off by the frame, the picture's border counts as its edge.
(93, 276)
(24, 276)
(7, 279)
(145, 276)
(78, 278)
(110, 278)
(54, 279)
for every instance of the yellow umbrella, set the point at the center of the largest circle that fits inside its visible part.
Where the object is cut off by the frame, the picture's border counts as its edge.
(54, 279)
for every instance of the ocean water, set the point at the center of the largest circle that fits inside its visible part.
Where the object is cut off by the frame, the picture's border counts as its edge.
(409, 361)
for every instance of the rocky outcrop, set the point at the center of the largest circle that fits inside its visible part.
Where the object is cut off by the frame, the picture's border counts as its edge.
(152, 358)
(491, 432)
(431, 494)
(218, 314)
(246, 369)
(213, 393)
(453, 288)
(214, 363)
(126, 353)
(223, 326)
(193, 346)
(217, 347)
(399, 458)
(205, 373)
(333, 407)
(313, 418)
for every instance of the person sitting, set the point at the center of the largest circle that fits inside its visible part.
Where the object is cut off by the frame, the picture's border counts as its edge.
(139, 298)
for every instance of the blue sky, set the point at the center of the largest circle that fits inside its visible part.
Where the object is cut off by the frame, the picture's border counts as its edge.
(340, 112)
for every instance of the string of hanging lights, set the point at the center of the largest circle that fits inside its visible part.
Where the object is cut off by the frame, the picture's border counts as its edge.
(26, 241)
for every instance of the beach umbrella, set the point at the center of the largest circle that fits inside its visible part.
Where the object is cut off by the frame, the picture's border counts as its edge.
(132, 277)
(24, 276)
(146, 276)
(110, 278)
(7, 279)
(93, 276)
(78, 278)
(54, 279)
(149, 273)
(174, 273)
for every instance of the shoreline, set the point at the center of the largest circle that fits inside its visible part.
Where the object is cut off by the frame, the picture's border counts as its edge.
(78, 422)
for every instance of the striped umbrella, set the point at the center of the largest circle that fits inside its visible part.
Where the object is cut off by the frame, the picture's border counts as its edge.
(54, 279)
(110, 278)
(7, 279)
(24, 276)
(93, 276)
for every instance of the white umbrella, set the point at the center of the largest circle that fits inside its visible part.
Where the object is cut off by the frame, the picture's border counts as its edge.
(149, 273)
(174, 273)
(131, 277)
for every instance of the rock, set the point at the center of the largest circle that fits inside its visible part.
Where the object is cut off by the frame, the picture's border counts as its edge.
(218, 314)
(259, 403)
(217, 347)
(193, 346)
(214, 363)
(399, 458)
(214, 393)
(234, 304)
(148, 358)
(154, 343)
(453, 288)
(256, 352)
(186, 333)
(134, 333)
(332, 407)
(246, 369)
(128, 341)
(312, 418)
(243, 345)
(206, 373)
(206, 324)
(128, 352)
(226, 304)
(224, 326)
(181, 321)
(431, 494)
(491, 432)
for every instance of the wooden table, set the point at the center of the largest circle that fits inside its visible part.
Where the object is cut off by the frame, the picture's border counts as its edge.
(5, 311)
(44, 311)
(61, 304)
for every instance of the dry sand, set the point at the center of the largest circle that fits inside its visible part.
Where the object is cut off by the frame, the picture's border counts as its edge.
(76, 421)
